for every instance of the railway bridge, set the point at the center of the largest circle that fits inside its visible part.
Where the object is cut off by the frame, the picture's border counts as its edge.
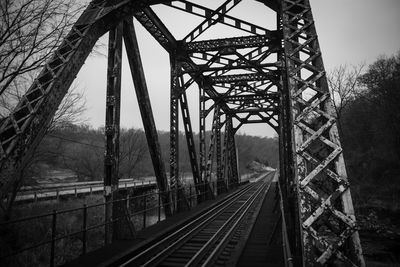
(269, 74)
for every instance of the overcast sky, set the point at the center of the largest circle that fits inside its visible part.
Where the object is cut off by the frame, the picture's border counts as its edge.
(350, 32)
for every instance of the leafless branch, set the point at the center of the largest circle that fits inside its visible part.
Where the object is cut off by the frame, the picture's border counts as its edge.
(343, 84)
(29, 31)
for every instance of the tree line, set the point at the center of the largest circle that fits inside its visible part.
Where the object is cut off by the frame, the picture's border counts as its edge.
(367, 103)
(80, 148)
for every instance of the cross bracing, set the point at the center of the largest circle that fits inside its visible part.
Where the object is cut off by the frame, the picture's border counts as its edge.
(272, 76)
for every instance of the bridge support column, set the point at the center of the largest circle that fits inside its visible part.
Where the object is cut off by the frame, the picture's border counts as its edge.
(135, 63)
(113, 100)
(221, 186)
(211, 150)
(231, 157)
(318, 176)
(202, 141)
(225, 156)
(189, 139)
(287, 185)
(235, 162)
(177, 190)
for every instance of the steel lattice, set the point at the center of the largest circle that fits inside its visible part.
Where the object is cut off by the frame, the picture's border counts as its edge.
(327, 218)
(271, 76)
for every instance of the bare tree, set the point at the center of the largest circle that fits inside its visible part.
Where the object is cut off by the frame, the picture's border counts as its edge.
(84, 152)
(70, 111)
(29, 31)
(133, 148)
(343, 84)
(31, 169)
(85, 159)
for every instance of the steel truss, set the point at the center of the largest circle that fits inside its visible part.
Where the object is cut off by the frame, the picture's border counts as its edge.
(327, 221)
(271, 76)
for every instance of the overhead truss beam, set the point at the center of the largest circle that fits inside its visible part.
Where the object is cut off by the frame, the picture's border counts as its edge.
(270, 39)
(316, 192)
(270, 76)
(213, 17)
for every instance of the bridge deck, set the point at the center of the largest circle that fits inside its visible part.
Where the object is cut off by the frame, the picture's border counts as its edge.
(261, 243)
(264, 245)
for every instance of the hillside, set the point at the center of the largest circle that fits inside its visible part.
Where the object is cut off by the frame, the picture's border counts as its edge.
(80, 149)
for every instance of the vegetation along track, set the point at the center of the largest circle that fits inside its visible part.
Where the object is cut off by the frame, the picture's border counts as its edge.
(207, 239)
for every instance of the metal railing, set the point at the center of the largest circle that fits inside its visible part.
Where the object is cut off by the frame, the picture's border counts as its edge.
(63, 235)
(287, 253)
(35, 193)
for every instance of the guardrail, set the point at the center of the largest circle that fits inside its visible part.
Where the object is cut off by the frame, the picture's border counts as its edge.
(61, 236)
(287, 253)
(35, 193)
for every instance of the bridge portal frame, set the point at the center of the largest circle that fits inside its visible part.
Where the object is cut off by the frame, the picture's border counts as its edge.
(316, 198)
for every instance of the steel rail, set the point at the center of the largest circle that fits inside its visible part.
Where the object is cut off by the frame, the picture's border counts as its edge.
(213, 211)
(182, 240)
(226, 227)
(188, 226)
(215, 252)
(175, 238)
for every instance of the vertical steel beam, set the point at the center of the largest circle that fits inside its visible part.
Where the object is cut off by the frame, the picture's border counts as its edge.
(178, 95)
(205, 172)
(234, 160)
(202, 132)
(287, 183)
(174, 125)
(113, 100)
(132, 50)
(232, 168)
(327, 221)
(220, 179)
(211, 151)
(228, 166)
(189, 137)
(225, 157)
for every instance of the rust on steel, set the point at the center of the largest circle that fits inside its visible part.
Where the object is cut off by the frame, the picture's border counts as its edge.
(268, 75)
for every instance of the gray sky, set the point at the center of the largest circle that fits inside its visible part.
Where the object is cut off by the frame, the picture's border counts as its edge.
(350, 32)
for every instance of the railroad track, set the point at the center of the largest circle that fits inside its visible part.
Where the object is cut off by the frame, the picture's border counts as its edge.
(208, 239)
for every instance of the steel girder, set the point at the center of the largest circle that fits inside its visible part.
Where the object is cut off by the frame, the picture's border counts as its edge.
(243, 93)
(316, 195)
(139, 81)
(179, 62)
(214, 132)
(270, 39)
(174, 128)
(327, 221)
(213, 16)
(189, 138)
(231, 156)
(23, 129)
(113, 105)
